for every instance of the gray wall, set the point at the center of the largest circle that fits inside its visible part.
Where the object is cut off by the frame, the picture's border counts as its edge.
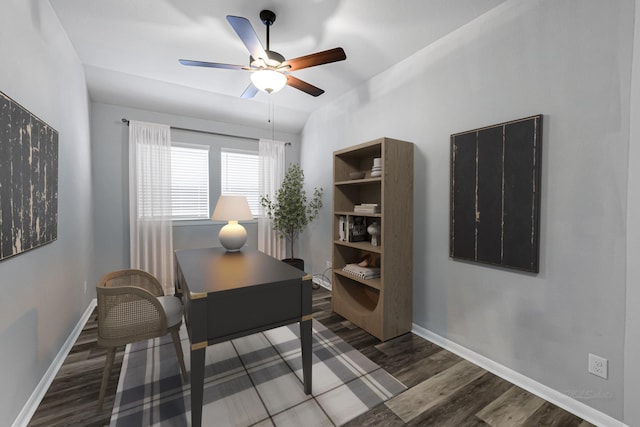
(43, 290)
(571, 61)
(632, 336)
(109, 140)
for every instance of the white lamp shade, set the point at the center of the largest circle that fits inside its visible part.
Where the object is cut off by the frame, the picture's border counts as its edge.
(232, 208)
(268, 80)
(232, 236)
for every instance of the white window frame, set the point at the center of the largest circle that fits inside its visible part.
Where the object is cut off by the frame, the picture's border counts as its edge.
(240, 183)
(195, 177)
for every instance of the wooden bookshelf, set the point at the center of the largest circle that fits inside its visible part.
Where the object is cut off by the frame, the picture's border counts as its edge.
(381, 306)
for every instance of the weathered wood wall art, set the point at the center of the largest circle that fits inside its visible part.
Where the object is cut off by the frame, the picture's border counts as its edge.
(28, 180)
(495, 194)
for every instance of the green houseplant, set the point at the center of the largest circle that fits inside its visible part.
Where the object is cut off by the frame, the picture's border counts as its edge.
(290, 211)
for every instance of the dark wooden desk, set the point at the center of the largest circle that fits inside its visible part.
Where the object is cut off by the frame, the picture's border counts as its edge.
(228, 295)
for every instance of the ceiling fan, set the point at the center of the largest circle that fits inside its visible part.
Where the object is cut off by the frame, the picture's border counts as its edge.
(270, 71)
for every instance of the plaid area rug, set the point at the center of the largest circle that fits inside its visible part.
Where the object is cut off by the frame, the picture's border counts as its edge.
(254, 380)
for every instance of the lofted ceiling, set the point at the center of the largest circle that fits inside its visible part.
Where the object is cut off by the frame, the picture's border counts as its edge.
(130, 50)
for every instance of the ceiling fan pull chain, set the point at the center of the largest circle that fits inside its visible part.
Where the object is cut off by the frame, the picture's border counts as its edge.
(271, 118)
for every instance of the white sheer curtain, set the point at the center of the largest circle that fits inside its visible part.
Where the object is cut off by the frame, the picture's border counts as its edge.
(271, 174)
(151, 241)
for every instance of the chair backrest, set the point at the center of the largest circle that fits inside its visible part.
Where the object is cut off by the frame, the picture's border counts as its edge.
(132, 277)
(128, 308)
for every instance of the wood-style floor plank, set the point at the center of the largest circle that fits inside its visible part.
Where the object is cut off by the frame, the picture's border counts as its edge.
(462, 406)
(72, 398)
(514, 407)
(381, 415)
(435, 390)
(418, 371)
(443, 389)
(550, 415)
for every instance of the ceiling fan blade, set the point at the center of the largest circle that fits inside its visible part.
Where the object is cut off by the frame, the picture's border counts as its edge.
(191, 63)
(304, 86)
(247, 34)
(318, 58)
(249, 92)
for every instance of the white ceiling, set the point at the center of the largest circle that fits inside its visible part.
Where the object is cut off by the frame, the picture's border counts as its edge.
(130, 49)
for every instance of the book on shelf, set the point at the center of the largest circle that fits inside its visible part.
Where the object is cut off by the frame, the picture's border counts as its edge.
(360, 209)
(361, 272)
(367, 208)
(342, 230)
(357, 228)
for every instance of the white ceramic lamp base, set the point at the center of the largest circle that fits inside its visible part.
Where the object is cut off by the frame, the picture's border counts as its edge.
(232, 236)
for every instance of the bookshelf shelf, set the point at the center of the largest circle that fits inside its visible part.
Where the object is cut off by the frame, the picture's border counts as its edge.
(364, 246)
(352, 213)
(363, 181)
(381, 306)
(372, 283)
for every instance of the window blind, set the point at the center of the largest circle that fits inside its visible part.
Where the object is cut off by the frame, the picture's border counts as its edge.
(189, 181)
(239, 175)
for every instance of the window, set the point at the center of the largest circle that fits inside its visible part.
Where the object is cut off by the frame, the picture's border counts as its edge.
(189, 181)
(239, 175)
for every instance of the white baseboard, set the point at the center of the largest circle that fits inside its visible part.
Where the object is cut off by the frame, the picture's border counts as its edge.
(23, 418)
(557, 398)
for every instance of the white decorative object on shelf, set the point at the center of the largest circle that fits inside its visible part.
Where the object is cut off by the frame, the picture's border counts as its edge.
(376, 170)
(374, 230)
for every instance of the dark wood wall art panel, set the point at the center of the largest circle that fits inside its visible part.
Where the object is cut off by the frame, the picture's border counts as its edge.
(495, 194)
(28, 180)
(464, 197)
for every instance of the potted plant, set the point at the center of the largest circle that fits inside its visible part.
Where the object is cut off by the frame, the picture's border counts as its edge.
(290, 211)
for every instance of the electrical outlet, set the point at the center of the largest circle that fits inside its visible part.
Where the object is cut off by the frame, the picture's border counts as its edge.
(598, 366)
(328, 264)
(85, 286)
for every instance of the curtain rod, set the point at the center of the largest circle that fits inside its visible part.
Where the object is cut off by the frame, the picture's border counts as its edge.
(204, 131)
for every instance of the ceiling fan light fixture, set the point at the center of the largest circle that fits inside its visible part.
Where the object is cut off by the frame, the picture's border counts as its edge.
(269, 69)
(268, 80)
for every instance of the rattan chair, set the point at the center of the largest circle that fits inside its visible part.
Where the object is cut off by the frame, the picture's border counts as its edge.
(132, 307)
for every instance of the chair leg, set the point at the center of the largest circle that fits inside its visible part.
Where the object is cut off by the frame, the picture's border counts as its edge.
(111, 354)
(176, 343)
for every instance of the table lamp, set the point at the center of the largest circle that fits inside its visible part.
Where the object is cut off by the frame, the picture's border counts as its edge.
(233, 209)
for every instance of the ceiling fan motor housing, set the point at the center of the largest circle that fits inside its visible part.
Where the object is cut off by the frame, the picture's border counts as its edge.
(274, 60)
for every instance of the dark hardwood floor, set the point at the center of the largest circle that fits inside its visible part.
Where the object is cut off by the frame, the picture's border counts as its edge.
(443, 389)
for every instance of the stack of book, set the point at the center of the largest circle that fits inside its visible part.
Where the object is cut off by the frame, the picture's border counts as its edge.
(361, 272)
(352, 228)
(367, 208)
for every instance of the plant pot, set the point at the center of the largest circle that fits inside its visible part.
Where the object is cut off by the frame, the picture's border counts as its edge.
(295, 262)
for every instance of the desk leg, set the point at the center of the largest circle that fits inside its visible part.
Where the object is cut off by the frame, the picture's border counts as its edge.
(305, 343)
(197, 385)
